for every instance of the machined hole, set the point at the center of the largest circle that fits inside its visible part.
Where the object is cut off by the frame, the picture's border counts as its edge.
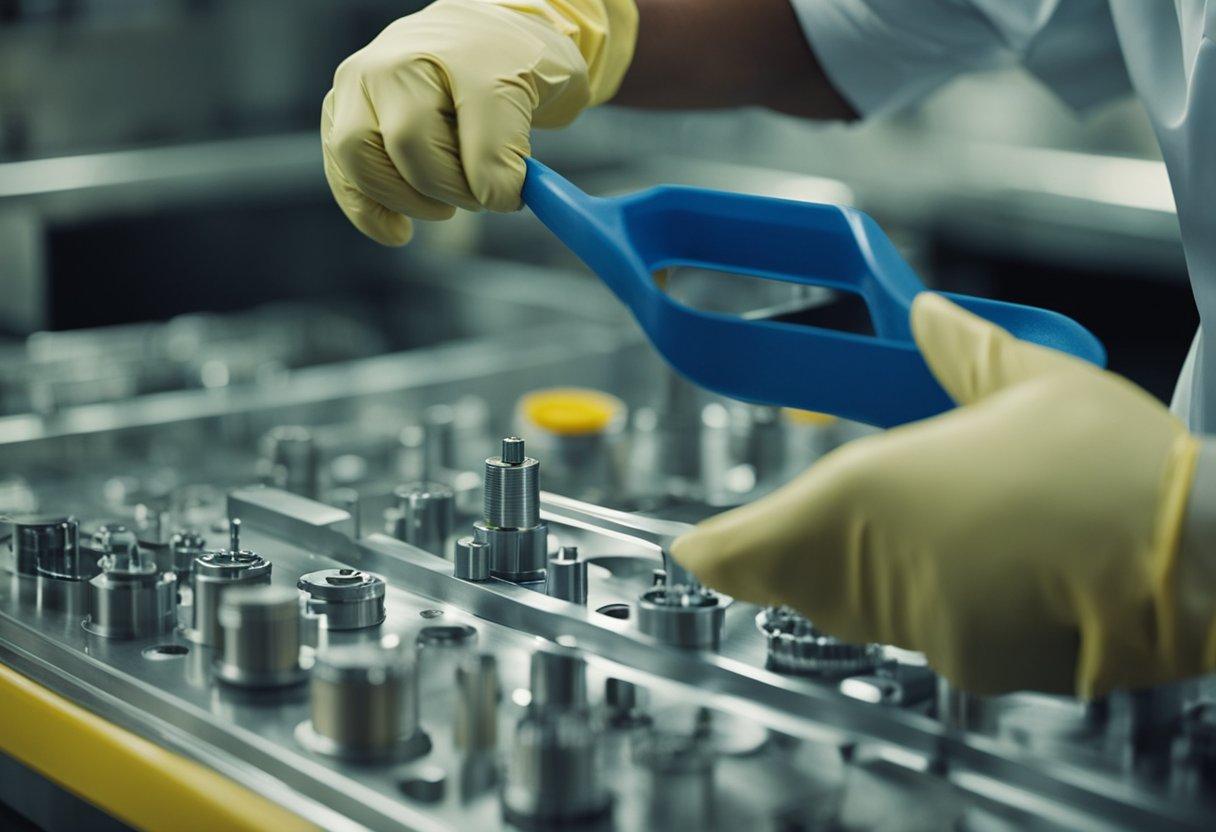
(164, 652)
(620, 611)
(447, 636)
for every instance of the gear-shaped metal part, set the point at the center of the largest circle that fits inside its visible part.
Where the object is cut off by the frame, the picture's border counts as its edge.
(796, 647)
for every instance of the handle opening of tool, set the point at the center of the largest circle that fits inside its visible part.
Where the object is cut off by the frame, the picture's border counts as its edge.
(802, 243)
(756, 298)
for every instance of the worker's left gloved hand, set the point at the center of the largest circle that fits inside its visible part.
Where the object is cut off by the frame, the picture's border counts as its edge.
(1027, 540)
(436, 113)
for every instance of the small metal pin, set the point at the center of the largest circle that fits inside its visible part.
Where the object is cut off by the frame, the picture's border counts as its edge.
(513, 451)
(234, 535)
(660, 578)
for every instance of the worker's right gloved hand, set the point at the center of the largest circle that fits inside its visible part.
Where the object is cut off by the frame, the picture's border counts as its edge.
(1054, 532)
(436, 113)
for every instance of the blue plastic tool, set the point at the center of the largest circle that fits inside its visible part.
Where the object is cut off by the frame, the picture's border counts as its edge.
(880, 379)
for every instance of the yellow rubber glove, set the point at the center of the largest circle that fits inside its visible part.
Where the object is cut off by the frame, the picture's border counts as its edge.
(436, 112)
(1026, 540)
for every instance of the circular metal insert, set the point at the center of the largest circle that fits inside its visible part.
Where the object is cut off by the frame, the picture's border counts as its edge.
(348, 598)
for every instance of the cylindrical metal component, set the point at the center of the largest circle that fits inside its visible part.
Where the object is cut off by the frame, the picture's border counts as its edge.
(559, 678)
(130, 599)
(566, 577)
(472, 560)
(623, 706)
(425, 513)
(349, 599)
(260, 647)
(1201, 739)
(691, 617)
(620, 695)
(678, 789)
(439, 439)
(512, 451)
(795, 646)
(512, 488)
(101, 538)
(553, 779)
(476, 722)
(364, 703)
(518, 555)
(185, 547)
(290, 460)
(48, 545)
(518, 540)
(215, 572)
(44, 538)
(766, 450)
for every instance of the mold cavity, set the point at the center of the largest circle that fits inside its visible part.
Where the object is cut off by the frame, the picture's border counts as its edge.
(620, 611)
(425, 786)
(447, 636)
(163, 652)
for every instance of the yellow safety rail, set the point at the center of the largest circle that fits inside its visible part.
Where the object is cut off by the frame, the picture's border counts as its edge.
(130, 778)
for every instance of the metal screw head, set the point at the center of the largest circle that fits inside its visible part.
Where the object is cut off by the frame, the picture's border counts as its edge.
(513, 451)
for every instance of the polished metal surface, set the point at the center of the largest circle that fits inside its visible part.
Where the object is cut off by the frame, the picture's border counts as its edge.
(687, 616)
(215, 572)
(130, 598)
(517, 555)
(566, 577)
(260, 641)
(364, 704)
(349, 599)
(424, 516)
(290, 460)
(511, 524)
(472, 559)
(45, 544)
(512, 488)
(678, 781)
(185, 548)
(796, 646)
(553, 778)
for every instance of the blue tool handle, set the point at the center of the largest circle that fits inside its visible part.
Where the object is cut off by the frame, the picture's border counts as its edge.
(881, 379)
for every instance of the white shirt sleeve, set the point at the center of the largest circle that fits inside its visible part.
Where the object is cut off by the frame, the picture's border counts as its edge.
(883, 55)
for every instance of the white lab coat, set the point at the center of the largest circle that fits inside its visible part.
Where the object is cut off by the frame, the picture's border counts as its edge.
(885, 54)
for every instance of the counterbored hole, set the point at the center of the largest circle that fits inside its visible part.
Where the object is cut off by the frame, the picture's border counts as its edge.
(620, 611)
(163, 652)
(425, 786)
(447, 636)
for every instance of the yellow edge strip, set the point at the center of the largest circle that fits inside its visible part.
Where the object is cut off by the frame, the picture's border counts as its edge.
(129, 777)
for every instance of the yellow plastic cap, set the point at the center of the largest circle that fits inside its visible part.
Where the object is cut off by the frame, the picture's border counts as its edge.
(807, 417)
(570, 411)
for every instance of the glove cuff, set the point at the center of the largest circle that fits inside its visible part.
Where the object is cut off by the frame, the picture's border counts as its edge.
(1192, 585)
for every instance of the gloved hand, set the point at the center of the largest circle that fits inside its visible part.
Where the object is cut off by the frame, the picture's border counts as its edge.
(1026, 540)
(436, 112)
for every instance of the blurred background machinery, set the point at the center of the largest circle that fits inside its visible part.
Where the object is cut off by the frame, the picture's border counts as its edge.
(244, 452)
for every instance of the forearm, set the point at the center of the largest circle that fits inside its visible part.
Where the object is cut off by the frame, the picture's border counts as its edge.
(697, 54)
